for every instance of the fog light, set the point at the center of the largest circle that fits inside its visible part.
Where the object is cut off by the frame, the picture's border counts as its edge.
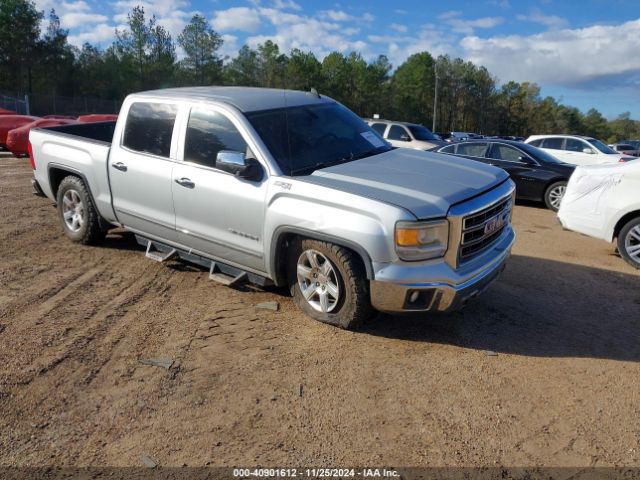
(414, 296)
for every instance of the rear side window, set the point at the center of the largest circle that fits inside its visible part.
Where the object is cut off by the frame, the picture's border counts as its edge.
(554, 143)
(536, 143)
(396, 132)
(379, 127)
(504, 152)
(473, 149)
(149, 128)
(209, 132)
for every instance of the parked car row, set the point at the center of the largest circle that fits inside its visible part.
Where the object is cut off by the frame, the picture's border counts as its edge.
(577, 149)
(537, 175)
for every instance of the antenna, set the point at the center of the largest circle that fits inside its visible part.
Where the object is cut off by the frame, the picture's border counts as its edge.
(314, 92)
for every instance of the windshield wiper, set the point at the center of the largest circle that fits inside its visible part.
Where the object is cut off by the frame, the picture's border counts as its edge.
(345, 159)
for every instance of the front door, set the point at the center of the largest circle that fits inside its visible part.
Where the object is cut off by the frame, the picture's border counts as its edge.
(512, 160)
(140, 168)
(218, 213)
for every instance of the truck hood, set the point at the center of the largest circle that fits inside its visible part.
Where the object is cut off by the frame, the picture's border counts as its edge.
(425, 183)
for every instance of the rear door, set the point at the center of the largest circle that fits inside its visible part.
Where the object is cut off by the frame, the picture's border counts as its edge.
(140, 166)
(218, 213)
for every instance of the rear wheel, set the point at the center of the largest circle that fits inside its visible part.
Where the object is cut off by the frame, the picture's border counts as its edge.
(328, 283)
(629, 242)
(553, 195)
(78, 216)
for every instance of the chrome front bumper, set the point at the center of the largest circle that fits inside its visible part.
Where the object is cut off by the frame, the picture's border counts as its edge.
(393, 295)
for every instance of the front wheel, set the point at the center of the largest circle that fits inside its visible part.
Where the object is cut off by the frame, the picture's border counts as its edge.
(553, 195)
(629, 242)
(328, 283)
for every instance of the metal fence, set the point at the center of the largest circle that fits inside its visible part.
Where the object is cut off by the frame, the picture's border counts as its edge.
(19, 105)
(40, 104)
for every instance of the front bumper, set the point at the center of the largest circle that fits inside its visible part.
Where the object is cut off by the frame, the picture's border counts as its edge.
(393, 295)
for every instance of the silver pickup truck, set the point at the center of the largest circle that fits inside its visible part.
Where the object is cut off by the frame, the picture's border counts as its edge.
(287, 188)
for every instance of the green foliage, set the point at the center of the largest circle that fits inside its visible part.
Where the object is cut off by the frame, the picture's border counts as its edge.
(201, 65)
(143, 56)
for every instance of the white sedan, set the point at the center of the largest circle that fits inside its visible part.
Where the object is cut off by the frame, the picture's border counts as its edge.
(603, 201)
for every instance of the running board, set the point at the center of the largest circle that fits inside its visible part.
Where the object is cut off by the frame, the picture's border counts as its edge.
(158, 255)
(217, 275)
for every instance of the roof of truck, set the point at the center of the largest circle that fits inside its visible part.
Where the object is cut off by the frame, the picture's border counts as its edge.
(245, 99)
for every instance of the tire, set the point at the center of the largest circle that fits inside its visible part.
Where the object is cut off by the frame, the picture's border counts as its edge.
(78, 216)
(629, 242)
(553, 195)
(339, 277)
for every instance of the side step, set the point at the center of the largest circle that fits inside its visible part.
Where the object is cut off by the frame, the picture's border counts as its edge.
(217, 275)
(159, 255)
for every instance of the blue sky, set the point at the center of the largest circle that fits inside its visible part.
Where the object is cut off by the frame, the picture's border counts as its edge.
(585, 53)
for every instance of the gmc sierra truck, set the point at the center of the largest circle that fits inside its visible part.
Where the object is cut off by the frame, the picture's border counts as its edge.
(282, 187)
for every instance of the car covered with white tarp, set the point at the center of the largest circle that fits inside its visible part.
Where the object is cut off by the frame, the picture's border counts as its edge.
(603, 201)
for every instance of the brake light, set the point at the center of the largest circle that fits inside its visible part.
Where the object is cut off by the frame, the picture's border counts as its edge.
(31, 159)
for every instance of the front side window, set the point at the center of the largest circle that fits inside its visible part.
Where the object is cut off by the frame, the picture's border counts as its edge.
(472, 149)
(554, 143)
(379, 127)
(536, 143)
(396, 132)
(422, 133)
(575, 145)
(209, 132)
(504, 152)
(149, 128)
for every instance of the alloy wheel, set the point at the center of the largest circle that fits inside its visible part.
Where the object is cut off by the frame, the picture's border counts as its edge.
(318, 281)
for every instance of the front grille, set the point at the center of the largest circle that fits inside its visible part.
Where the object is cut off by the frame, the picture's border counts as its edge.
(481, 229)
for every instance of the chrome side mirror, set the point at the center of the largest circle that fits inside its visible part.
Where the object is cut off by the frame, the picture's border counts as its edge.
(236, 163)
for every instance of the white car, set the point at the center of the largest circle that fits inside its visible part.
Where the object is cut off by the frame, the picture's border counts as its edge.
(603, 201)
(405, 134)
(577, 150)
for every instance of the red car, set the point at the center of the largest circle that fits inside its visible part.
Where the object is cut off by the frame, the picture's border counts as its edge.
(98, 117)
(4, 111)
(18, 138)
(9, 122)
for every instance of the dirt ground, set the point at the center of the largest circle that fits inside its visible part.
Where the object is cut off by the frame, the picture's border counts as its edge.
(254, 387)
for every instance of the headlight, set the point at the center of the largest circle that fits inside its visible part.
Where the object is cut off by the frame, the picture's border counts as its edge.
(421, 240)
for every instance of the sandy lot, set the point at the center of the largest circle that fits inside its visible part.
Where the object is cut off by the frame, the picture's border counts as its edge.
(254, 387)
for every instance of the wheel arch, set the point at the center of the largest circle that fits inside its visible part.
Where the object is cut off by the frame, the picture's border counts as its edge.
(623, 221)
(56, 173)
(285, 234)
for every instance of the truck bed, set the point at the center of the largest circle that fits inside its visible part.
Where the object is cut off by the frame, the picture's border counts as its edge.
(99, 131)
(78, 149)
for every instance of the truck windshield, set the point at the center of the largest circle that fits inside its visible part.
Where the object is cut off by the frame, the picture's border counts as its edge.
(308, 137)
(422, 133)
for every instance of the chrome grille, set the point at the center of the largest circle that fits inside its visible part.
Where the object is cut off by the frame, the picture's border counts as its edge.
(481, 229)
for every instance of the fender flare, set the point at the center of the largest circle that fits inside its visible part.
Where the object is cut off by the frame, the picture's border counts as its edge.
(281, 231)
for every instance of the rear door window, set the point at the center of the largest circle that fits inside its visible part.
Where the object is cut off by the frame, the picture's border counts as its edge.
(536, 143)
(553, 143)
(149, 128)
(472, 149)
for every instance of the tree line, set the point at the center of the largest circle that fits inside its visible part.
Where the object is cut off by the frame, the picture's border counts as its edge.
(143, 57)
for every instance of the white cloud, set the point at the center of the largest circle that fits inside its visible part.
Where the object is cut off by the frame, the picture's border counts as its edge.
(286, 4)
(561, 57)
(242, 19)
(73, 20)
(98, 33)
(398, 28)
(467, 27)
(550, 21)
(336, 15)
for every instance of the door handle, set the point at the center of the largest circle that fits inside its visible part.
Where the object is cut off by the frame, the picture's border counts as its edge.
(185, 182)
(119, 166)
